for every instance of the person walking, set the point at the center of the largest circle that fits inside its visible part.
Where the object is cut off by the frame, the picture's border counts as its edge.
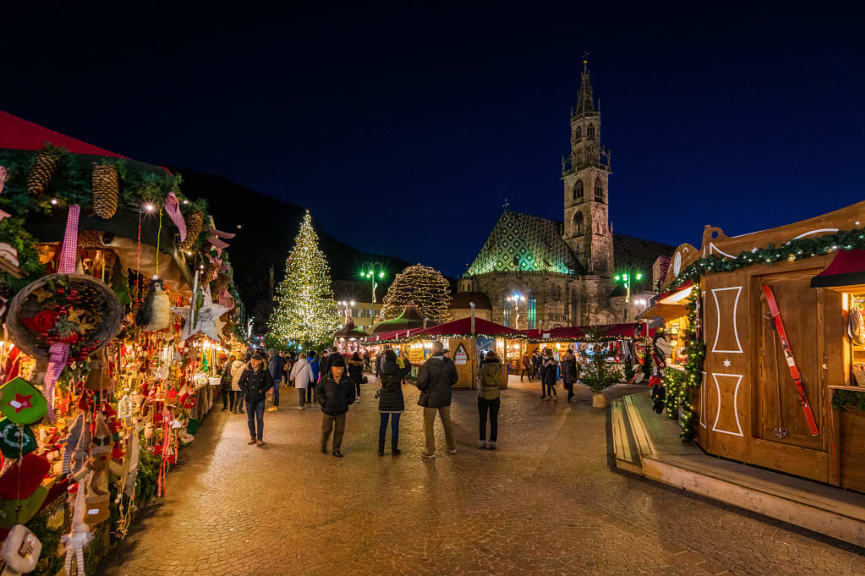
(301, 377)
(549, 367)
(225, 383)
(391, 402)
(355, 372)
(489, 400)
(255, 382)
(435, 378)
(527, 368)
(276, 367)
(335, 392)
(536, 364)
(569, 372)
(314, 368)
(237, 368)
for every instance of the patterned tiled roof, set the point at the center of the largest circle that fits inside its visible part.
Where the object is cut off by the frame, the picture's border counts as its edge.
(520, 242)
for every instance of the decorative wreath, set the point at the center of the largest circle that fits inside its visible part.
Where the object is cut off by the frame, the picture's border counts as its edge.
(71, 309)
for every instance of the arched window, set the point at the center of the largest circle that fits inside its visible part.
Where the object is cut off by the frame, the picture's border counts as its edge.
(578, 190)
(590, 132)
(578, 134)
(599, 191)
(578, 224)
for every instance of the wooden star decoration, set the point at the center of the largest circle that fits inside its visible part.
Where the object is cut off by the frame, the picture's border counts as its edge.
(208, 322)
(41, 294)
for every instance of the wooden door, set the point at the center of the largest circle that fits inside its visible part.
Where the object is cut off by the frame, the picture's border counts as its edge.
(778, 406)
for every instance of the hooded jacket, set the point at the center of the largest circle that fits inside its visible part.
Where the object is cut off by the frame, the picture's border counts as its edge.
(391, 375)
(435, 378)
(301, 374)
(335, 397)
(489, 378)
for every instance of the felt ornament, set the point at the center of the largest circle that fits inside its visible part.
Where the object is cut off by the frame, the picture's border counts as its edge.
(16, 440)
(77, 447)
(154, 313)
(20, 551)
(14, 512)
(22, 403)
(99, 377)
(79, 536)
(23, 477)
(206, 320)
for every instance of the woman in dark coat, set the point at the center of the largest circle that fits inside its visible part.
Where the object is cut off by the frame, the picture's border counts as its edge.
(391, 402)
(355, 372)
(549, 367)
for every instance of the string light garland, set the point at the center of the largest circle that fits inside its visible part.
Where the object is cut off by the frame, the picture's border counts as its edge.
(681, 386)
(793, 250)
(306, 311)
(424, 286)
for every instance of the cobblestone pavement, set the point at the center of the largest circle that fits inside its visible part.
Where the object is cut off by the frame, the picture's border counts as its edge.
(546, 502)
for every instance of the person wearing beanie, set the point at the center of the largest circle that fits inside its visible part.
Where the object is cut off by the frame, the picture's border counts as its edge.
(334, 393)
(255, 383)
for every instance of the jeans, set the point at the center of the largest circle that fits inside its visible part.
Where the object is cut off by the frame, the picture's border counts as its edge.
(492, 406)
(429, 417)
(236, 401)
(337, 424)
(301, 396)
(276, 392)
(255, 414)
(549, 389)
(394, 430)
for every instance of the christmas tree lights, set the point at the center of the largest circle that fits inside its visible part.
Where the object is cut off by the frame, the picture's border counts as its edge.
(424, 286)
(306, 311)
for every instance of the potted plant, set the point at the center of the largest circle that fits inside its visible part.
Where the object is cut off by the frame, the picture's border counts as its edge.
(600, 374)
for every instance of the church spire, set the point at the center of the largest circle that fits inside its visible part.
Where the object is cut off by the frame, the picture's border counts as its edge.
(585, 101)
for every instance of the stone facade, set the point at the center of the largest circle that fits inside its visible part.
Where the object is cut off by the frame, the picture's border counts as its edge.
(563, 271)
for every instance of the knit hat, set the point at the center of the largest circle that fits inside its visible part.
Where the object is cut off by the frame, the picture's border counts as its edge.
(337, 361)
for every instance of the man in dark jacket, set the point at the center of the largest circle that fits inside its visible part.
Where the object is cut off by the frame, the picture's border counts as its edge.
(435, 378)
(254, 383)
(276, 367)
(335, 392)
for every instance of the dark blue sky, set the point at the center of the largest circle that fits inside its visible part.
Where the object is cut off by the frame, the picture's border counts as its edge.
(404, 127)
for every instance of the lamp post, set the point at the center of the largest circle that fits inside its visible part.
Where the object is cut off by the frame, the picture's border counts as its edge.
(625, 279)
(373, 271)
(516, 298)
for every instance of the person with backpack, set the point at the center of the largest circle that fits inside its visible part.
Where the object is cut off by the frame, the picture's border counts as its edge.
(489, 400)
(435, 379)
(334, 393)
(314, 367)
(391, 402)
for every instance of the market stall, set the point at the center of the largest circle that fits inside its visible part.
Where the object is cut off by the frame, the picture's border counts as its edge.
(119, 311)
(774, 342)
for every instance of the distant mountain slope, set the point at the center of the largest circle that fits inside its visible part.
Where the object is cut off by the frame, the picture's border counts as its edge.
(268, 228)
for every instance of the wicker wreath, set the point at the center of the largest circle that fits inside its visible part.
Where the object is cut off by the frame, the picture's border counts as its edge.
(74, 309)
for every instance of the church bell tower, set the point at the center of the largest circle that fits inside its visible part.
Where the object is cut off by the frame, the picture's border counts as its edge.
(585, 174)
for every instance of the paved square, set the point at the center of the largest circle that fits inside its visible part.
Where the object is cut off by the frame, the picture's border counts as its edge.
(546, 502)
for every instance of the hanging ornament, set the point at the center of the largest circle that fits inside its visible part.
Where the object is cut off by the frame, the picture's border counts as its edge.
(14, 512)
(206, 321)
(42, 172)
(172, 208)
(21, 478)
(20, 551)
(194, 225)
(154, 313)
(105, 188)
(79, 537)
(21, 403)
(99, 378)
(16, 440)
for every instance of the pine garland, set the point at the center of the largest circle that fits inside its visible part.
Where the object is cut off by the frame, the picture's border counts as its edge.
(306, 312)
(425, 287)
(696, 354)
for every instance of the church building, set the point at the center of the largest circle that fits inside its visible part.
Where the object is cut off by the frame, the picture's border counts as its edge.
(542, 273)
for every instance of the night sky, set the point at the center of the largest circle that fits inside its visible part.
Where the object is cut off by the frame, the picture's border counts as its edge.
(405, 127)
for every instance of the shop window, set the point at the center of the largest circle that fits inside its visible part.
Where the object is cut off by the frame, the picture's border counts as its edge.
(510, 313)
(590, 132)
(532, 314)
(599, 190)
(578, 224)
(578, 190)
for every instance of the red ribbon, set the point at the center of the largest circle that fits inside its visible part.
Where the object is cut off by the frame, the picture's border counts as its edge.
(172, 208)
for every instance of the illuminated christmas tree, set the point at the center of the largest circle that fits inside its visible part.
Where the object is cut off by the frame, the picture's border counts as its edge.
(305, 312)
(424, 286)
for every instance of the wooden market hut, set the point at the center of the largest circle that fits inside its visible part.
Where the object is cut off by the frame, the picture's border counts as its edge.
(347, 339)
(810, 275)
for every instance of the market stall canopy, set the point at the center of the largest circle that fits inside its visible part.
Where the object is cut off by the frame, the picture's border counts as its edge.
(19, 134)
(587, 333)
(463, 327)
(847, 269)
(349, 332)
(392, 336)
(409, 319)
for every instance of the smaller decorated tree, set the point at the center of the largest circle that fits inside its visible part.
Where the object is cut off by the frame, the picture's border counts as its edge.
(424, 286)
(305, 312)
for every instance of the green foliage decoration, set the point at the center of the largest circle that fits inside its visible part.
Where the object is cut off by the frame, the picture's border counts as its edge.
(600, 374)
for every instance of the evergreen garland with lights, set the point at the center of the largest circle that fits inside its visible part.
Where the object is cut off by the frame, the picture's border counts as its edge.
(306, 312)
(683, 397)
(424, 286)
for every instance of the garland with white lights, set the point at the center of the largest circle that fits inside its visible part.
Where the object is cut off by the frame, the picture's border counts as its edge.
(681, 386)
(793, 250)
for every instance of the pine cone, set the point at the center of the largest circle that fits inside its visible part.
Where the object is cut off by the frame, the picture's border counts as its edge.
(194, 225)
(105, 190)
(43, 170)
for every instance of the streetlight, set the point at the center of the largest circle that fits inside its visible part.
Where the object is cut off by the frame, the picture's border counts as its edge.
(516, 298)
(625, 278)
(373, 271)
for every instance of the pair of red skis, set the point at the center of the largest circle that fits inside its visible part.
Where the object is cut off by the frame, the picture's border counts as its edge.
(791, 363)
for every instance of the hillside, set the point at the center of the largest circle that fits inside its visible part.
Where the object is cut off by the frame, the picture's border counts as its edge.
(268, 227)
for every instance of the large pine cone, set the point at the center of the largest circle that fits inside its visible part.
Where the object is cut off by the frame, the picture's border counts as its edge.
(43, 170)
(194, 225)
(105, 190)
